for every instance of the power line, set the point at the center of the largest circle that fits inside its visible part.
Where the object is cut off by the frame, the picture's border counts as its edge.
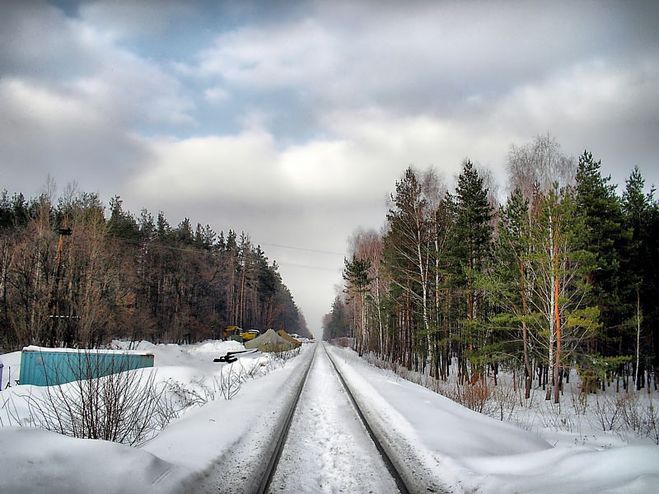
(303, 249)
(334, 270)
(195, 251)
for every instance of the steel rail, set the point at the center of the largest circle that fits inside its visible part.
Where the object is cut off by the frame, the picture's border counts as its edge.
(391, 466)
(271, 468)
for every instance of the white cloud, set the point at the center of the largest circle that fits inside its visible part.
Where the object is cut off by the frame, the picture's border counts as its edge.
(216, 95)
(225, 168)
(358, 165)
(609, 108)
(43, 105)
(423, 55)
(282, 55)
(76, 56)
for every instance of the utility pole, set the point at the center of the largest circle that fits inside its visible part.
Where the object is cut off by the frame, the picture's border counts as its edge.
(53, 305)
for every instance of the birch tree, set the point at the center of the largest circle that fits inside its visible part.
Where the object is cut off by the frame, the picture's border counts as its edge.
(560, 287)
(407, 241)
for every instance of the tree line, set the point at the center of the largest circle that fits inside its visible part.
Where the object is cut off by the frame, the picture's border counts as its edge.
(564, 274)
(74, 273)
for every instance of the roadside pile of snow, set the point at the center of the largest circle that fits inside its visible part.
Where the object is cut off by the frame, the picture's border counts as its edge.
(462, 450)
(216, 347)
(198, 355)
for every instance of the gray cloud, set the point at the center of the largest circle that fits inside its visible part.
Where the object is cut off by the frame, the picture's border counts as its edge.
(45, 133)
(422, 54)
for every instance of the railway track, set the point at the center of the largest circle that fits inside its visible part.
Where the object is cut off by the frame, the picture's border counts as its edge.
(273, 480)
(283, 434)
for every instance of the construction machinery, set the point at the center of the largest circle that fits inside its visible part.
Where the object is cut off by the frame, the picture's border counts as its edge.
(250, 335)
(237, 333)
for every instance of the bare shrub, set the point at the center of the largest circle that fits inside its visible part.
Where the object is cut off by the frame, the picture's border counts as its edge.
(473, 396)
(125, 407)
(608, 411)
(640, 417)
(651, 421)
(9, 415)
(230, 381)
(286, 355)
(579, 402)
(198, 394)
(552, 418)
(505, 400)
(631, 412)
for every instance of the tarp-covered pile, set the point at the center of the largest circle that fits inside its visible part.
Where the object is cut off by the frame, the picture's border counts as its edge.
(289, 338)
(270, 342)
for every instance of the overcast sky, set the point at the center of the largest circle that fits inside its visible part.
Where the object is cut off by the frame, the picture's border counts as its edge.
(292, 120)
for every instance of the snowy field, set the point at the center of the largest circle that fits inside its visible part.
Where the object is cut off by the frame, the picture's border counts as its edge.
(214, 442)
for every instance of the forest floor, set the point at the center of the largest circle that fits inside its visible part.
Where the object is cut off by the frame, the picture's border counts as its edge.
(463, 451)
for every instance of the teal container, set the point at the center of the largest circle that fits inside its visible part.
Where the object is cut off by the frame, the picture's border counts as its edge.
(48, 366)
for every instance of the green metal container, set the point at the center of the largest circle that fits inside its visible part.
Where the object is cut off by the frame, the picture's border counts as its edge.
(50, 366)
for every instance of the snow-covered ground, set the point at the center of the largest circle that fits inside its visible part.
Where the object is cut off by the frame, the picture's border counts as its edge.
(177, 459)
(464, 451)
(609, 418)
(219, 445)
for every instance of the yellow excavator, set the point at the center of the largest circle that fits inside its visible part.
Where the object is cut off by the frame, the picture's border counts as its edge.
(239, 334)
(250, 335)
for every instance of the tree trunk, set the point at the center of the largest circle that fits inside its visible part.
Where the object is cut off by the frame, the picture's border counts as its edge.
(638, 338)
(525, 336)
(556, 309)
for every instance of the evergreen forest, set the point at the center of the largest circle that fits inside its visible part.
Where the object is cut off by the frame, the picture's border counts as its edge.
(562, 275)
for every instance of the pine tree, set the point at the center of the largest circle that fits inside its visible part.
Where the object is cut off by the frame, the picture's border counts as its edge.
(407, 250)
(473, 231)
(641, 266)
(122, 224)
(605, 237)
(471, 251)
(357, 281)
(510, 284)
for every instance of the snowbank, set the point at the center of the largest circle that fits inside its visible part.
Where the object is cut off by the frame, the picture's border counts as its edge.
(571, 470)
(41, 461)
(204, 434)
(461, 450)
